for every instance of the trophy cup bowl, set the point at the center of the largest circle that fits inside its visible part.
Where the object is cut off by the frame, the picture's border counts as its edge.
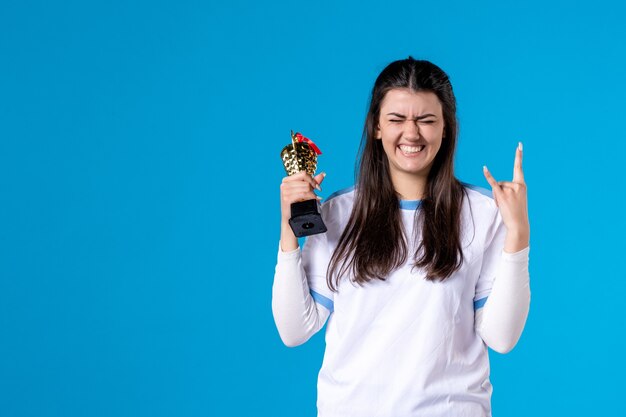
(305, 218)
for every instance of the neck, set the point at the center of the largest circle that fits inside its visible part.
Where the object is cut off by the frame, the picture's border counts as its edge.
(409, 187)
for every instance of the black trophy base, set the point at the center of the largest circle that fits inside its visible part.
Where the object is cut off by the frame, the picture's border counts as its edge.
(305, 219)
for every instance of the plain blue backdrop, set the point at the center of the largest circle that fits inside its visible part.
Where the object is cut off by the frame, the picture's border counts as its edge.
(139, 173)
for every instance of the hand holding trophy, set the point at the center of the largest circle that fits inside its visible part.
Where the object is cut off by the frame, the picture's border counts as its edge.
(301, 155)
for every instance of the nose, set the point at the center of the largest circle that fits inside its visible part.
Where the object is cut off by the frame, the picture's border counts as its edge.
(411, 129)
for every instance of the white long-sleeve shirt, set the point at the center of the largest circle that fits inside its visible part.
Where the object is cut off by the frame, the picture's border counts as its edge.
(406, 346)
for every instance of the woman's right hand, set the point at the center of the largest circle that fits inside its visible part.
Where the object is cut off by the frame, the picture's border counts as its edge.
(294, 188)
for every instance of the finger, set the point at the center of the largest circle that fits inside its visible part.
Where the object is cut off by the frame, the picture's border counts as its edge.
(510, 185)
(319, 178)
(496, 189)
(293, 196)
(303, 196)
(298, 176)
(297, 186)
(492, 181)
(303, 176)
(518, 173)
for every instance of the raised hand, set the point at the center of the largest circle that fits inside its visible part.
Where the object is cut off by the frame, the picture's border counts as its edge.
(511, 199)
(294, 188)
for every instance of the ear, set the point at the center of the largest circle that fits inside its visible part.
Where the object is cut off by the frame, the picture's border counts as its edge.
(377, 134)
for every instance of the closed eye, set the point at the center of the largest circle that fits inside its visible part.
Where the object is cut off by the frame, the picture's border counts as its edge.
(421, 121)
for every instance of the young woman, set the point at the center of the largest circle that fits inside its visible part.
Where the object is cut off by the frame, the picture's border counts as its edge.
(418, 272)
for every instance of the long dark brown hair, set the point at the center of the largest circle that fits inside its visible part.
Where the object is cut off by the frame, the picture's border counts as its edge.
(374, 244)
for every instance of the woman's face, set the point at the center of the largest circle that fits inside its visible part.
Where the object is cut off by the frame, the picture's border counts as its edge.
(411, 128)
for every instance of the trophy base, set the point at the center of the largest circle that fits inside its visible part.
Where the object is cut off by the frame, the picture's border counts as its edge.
(305, 219)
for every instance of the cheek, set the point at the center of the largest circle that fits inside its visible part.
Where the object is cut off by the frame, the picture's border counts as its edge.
(388, 145)
(390, 132)
(433, 133)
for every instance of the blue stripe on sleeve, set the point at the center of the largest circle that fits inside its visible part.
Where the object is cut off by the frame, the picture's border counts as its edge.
(325, 301)
(480, 303)
(481, 190)
(338, 193)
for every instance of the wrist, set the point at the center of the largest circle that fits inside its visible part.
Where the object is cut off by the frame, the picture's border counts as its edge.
(288, 240)
(516, 240)
(519, 232)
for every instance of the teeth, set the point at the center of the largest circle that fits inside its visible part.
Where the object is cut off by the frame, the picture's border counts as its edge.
(410, 149)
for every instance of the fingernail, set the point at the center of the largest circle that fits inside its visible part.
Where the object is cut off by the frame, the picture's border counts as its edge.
(318, 187)
(323, 174)
(520, 146)
(485, 168)
(318, 197)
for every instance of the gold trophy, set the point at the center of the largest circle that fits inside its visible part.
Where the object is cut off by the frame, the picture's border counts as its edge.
(301, 155)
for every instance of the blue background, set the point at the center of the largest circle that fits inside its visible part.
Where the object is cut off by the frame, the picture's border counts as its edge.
(139, 175)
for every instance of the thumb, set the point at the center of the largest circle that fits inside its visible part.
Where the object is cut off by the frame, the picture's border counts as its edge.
(320, 177)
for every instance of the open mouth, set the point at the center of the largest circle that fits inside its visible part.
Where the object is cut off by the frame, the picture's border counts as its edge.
(411, 150)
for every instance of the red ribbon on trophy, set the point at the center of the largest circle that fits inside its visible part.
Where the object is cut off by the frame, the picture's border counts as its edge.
(302, 138)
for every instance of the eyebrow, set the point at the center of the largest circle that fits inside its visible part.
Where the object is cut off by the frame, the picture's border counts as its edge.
(423, 116)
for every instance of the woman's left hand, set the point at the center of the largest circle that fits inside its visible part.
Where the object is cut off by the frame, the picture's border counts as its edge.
(510, 198)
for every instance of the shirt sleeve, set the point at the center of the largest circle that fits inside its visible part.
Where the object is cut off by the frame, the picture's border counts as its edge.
(494, 244)
(301, 299)
(502, 319)
(297, 313)
(315, 259)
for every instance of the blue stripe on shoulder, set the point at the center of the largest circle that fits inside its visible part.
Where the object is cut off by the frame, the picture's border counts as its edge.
(338, 193)
(480, 303)
(481, 190)
(325, 301)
